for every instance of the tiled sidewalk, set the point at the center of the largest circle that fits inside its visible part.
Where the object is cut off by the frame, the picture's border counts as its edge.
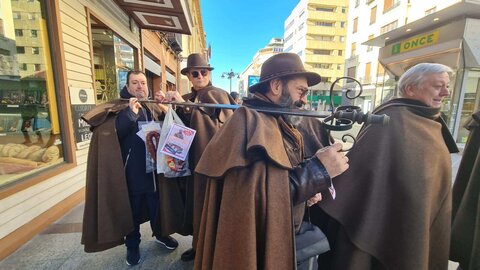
(58, 247)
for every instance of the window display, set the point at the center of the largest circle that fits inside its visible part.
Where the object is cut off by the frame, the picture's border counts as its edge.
(30, 138)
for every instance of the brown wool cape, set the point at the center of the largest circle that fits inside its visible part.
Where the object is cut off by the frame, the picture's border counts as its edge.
(394, 202)
(206, 121)
(247, 215)
(107, 215)
(465, 243)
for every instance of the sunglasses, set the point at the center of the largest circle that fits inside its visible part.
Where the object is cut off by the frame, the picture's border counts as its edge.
(195, 73)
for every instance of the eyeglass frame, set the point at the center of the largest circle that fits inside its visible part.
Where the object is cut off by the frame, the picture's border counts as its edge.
(196, 73)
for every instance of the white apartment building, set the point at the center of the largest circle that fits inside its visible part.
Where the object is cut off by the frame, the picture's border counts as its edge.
(386, 37)
(251, 74)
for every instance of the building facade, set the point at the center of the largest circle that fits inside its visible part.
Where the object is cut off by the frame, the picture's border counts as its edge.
(411, 32)
(316, 31)
(58, 59)
(251, 74)
(367, 20)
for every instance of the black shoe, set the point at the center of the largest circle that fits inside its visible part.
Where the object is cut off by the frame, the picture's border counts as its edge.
(188, 255)
(168, 241)
(133, 256)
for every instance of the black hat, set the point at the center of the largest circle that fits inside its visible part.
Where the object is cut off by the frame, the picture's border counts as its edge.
(195, 60)
(281, 65)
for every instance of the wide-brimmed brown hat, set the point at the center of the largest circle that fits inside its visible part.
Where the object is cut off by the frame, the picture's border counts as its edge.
(195, 60)
(281, 65)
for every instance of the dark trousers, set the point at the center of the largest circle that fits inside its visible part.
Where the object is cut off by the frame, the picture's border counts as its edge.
(137, 202)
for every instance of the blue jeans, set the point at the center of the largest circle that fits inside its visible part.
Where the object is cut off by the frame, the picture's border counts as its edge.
(151, 200)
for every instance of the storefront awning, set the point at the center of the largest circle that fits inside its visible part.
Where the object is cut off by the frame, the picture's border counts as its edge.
(463, 9)
(446, 53)
(163, 15)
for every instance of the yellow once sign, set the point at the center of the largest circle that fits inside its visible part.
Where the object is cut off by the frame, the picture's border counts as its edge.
(416, 42)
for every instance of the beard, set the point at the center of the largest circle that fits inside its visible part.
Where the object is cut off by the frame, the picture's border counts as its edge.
(286, 101)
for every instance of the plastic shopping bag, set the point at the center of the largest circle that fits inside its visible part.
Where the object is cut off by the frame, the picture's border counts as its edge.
(170, 166)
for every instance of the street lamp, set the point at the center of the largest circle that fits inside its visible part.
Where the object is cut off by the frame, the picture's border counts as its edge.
(230, 76)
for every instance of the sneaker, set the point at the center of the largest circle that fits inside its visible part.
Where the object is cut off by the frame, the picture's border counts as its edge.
(188, 255)
(168, 241)
(133, 256)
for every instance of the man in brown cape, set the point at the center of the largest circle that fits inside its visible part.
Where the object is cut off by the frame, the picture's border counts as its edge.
(393, 205)
(465, 245)
(258, 180)
(206, 121)
(120, 193)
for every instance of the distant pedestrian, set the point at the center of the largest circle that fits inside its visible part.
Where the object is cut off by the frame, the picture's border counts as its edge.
(465, 246)
(236, 97)
(393, 206)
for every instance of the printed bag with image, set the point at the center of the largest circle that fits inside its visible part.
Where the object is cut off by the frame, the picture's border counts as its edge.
(171, 167)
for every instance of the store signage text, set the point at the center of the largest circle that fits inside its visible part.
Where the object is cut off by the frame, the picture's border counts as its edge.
(416, 42)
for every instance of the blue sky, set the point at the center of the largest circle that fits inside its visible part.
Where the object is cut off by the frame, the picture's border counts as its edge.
(236, 30)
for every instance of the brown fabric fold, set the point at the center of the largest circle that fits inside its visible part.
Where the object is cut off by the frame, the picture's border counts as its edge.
(247, 217)
(465, 243)
(393, 204)
(107, 215)
(206, 122)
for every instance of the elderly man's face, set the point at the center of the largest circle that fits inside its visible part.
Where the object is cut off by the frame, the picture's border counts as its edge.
(199, 77)
(432, 90)
(137, 86)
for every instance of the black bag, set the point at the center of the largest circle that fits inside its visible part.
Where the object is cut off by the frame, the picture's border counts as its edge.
(309, 243)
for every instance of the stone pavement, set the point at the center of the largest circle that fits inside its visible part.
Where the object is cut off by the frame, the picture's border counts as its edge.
(58, 247)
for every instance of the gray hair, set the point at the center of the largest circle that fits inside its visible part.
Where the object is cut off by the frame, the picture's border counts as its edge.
(415, 75)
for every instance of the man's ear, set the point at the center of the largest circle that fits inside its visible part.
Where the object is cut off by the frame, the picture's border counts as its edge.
(410, 90)
(275, 87)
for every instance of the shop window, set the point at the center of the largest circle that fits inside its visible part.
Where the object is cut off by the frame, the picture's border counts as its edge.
(471, 102)
(112, 58)
(30, 139)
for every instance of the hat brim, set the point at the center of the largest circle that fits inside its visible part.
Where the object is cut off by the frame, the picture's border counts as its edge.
(312, 79)
(185, 70)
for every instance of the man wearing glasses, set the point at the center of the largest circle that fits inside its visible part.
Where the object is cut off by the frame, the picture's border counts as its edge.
(259, 180)
(206, 121)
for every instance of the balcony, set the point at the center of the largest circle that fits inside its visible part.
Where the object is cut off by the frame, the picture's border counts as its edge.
(325, 30)
(327, 16)
(324, 45)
